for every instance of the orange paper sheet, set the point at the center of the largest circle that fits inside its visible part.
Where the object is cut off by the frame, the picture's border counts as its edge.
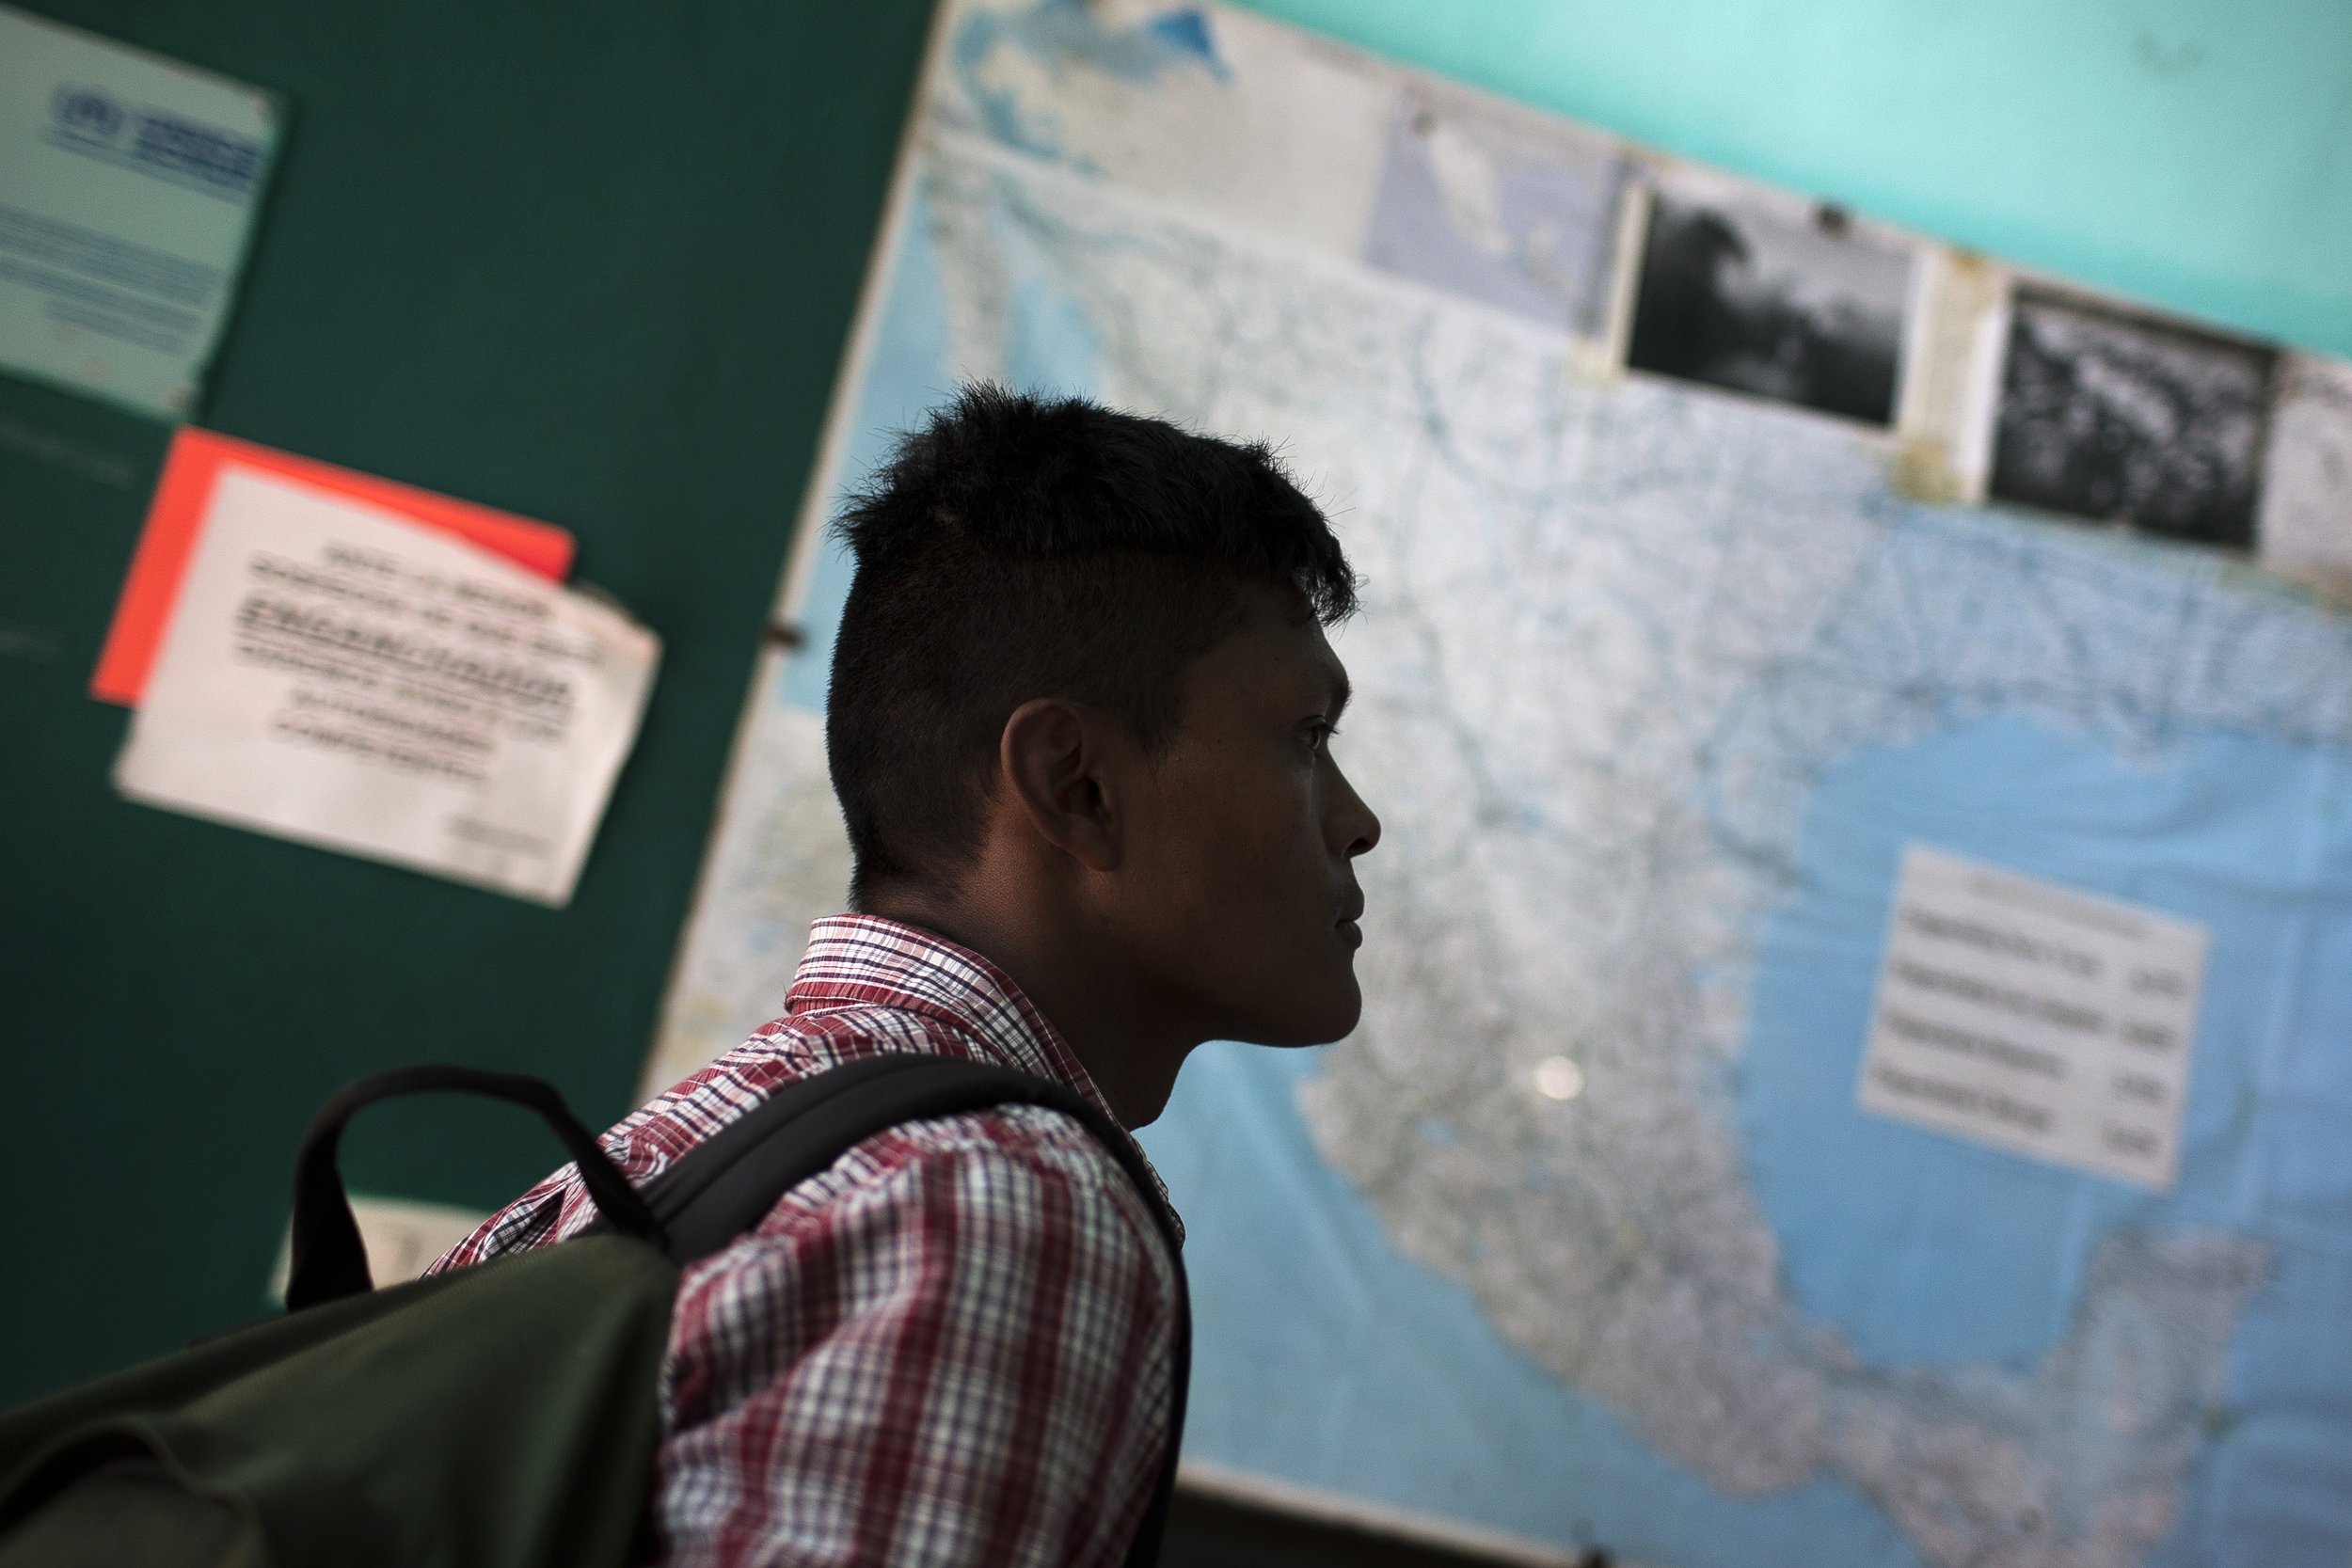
(184, 494)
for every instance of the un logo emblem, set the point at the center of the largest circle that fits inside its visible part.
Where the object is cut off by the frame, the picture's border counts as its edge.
(87, 114)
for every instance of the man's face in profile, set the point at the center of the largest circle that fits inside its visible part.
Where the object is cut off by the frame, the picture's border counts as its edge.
(1244, 837)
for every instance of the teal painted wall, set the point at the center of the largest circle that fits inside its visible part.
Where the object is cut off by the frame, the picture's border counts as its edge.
(2193, 153)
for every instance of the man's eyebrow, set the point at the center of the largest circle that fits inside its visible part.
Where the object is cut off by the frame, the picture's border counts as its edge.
(1341, 692)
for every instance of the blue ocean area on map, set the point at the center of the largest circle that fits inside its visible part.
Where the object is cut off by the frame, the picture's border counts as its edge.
(2218, 831)
(1951, 1252)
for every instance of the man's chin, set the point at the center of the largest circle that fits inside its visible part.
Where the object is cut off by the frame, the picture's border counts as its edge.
(1322, 1024)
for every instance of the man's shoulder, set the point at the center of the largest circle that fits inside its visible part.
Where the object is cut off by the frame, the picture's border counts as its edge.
(1016, 1167)
(1022, 1167)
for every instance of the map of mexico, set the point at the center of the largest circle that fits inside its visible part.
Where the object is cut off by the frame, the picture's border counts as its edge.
(1705, 758)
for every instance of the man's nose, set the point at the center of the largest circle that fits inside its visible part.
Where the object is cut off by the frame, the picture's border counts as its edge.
(1357, 827)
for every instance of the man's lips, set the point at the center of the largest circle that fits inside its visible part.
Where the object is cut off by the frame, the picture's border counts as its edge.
(1350, 912)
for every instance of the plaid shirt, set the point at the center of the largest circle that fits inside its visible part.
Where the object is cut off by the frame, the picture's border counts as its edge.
(952, 1347)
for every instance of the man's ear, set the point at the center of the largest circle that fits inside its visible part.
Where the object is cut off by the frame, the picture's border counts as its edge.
(1054, 765)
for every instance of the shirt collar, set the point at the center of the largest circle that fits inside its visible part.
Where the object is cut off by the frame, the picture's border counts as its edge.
(865, 961)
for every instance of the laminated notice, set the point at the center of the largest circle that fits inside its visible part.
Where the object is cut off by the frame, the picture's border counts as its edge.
(128, 186)
(337, 674)
(2035, 1018)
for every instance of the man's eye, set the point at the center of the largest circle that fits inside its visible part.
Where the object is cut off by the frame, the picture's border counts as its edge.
(1319, 735)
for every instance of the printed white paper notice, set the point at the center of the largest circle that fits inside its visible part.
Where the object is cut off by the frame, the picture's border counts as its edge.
(337, 674)
(2036, 1018)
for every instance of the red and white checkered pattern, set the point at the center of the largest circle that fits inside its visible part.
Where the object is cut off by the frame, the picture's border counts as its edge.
(952, 1347)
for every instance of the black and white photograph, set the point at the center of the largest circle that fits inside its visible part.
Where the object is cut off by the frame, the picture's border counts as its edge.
(1790, 304)
(2126, 418)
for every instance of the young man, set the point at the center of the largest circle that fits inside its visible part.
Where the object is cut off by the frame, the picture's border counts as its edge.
(1079, 726)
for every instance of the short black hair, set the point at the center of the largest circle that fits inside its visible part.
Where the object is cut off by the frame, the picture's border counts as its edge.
(1015, 548)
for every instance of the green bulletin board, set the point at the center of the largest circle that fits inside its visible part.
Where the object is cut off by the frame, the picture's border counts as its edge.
(595, 265)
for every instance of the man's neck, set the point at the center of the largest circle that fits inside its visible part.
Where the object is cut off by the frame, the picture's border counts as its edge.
(1117, 1030)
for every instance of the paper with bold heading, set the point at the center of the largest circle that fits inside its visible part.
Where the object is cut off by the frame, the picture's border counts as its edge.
(337, 674)
(128, 185)
(2038, 1019)
(183, 498)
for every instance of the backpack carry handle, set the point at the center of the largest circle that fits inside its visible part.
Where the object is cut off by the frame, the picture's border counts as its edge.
(329, 1262)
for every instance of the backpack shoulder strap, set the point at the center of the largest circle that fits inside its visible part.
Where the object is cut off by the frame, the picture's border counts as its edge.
(724, 1186)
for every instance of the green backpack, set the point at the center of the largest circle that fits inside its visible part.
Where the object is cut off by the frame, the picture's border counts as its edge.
(503, 1416)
